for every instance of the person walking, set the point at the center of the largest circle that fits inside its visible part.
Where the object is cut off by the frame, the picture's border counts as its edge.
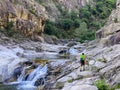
(82, 62)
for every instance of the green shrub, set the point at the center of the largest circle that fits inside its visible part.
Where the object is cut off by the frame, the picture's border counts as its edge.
(33, 12)
(83, 24)
(100, 60)
(76, 23)
(9, 31)
(117, 86)
(115, 20)
(70, 81)
(102, 85)
(65, 24)
(39, 1)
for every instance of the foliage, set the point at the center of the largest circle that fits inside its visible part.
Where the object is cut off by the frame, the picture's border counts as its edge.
(33, 12)
(76, 23)
(115, 20)
(83, 24)
(51, 29)
(102, 85)
(65, 24)
(9, 31)
(70, 81)
(117, 86)
(39, 1)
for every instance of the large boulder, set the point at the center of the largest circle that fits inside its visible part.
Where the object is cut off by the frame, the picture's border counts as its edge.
(115, 39)
(9, 61)
(108, 30)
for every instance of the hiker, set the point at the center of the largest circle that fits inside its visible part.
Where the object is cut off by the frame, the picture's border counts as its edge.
(82, 62)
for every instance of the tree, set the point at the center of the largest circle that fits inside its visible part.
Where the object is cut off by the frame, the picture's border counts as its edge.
(76, 23)
(65, 24)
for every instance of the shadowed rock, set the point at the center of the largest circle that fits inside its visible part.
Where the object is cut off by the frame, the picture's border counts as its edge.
(17, 72)
(63, 51)
(115, 39)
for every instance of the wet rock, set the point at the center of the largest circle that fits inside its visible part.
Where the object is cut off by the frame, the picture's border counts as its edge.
(17, 72)
(38, 49)
(56, 71)
(27, 63)
(40, 82)
(27, 46)
(65, 51)
(40, 61)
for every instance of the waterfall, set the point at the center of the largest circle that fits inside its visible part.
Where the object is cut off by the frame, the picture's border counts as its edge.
(33, 73)
(40, 73)
(22, 76)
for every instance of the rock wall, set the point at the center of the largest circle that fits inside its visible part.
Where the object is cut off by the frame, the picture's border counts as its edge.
(76, 4)
(111, 72)
(27, 16)
(54, 7)
(109, 34)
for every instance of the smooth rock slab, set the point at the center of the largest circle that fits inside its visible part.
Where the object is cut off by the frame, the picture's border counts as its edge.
(76, 75)
(81, 87)
(83, 84)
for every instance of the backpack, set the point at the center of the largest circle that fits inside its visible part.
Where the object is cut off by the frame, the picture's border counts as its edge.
(82, 57)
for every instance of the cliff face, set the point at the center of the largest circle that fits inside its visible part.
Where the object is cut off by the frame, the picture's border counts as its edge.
(110, 33)
(27, 16)
(55, 7)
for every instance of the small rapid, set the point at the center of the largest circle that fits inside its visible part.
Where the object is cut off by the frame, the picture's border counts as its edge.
(31, 76)
(31, 81)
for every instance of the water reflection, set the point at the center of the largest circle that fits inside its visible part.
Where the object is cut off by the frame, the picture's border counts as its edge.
(17, 87)
(8, 87)
(47, 56)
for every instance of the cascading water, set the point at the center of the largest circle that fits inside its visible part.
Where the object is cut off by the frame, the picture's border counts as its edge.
(33, 73)
(37, 74)
(29, 83)
(73, 51)
(21, 77)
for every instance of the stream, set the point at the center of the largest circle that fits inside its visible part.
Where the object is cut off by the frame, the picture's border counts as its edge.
(40, 72)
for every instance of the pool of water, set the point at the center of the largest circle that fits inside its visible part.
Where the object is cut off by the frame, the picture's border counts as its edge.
(17, 87)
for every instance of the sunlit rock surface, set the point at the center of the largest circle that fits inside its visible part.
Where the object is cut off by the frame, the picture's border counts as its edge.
(27, 17)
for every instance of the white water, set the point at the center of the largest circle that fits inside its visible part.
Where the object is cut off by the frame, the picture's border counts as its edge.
(33, 74)
(39, 72)
(22, 76)
(73, 51)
